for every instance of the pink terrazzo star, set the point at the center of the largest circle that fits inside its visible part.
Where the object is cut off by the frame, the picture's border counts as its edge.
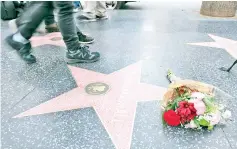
(116, 108)
(50, 39)
(224, 43)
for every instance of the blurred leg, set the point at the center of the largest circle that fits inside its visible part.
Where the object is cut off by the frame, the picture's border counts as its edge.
(100, 9)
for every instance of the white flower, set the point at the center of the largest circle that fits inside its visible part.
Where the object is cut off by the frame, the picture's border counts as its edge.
(191, 125)
(213, 118)
(226, 114)
(197, 95)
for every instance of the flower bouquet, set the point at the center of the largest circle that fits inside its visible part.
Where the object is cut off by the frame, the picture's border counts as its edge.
(193, 104)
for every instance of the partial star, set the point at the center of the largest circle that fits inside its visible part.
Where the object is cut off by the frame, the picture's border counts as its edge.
(49, 39)
(224, 43)
(116, 108)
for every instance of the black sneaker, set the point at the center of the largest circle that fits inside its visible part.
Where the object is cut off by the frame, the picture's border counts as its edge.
(84, 38)
(82, 55)
(22, 49)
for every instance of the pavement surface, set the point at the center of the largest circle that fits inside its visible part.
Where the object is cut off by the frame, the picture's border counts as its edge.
(114, 103)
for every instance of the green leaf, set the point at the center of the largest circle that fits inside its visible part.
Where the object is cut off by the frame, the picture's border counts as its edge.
(203, 122)
(210, 106)
(210, 127)
(169, 107)
(196, 121)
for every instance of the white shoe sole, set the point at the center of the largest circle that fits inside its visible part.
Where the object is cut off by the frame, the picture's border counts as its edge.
(73, 61)
(86, 42)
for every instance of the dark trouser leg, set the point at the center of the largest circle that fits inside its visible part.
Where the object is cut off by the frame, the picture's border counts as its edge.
(50, 18)
(22, 19)
(67, 25)
(32, 18)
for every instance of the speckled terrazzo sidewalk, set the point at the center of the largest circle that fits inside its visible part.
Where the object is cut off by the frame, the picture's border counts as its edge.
(114, 103)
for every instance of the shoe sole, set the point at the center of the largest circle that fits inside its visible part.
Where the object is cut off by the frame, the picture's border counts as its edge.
(92, 20)
(88, 42)
(102, 18)
(73, 61)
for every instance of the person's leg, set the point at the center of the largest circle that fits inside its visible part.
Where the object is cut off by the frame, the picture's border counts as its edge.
(100, 10)
(66, 23)
(67, 26)
(83, 38)
(88, 11)
(22, 19)
(50, 18)
(50, 24)
(30, 19)
(14, 24)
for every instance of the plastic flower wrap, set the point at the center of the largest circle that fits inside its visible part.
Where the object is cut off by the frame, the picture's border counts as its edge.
(194, 105)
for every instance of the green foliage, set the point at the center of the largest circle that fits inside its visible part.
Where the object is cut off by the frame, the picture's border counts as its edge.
(210, 105)
(210, 127)
(203, 122)
(196, 121)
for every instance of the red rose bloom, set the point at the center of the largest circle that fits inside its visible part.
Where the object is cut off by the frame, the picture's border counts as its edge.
(186, 111)
(171, 118)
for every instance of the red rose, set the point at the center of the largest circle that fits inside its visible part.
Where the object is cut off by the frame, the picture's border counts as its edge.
(171, 118)
(186, 111)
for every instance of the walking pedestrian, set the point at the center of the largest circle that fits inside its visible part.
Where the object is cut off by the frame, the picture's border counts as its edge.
(76, 53)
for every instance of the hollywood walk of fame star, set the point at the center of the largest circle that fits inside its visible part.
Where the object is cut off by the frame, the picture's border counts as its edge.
(116, 108)
(224, 43)
(50, 39)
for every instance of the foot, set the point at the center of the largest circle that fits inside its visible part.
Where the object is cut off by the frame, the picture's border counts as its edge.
(52, 28)
(86, 18)
(84, 38)
(22, 49)
(82, 55)
(102, 17)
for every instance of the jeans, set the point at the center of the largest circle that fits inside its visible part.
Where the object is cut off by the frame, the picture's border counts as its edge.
(50, 19)
(39, 11)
